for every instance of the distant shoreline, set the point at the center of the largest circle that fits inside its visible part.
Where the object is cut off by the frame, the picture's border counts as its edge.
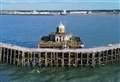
(60, 12)
(64, 15)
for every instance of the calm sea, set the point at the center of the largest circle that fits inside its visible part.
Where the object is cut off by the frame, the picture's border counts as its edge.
(27, 30)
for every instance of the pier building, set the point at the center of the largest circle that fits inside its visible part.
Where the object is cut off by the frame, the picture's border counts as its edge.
(60, 39)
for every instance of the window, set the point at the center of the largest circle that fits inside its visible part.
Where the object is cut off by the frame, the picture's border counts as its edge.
(57, 39)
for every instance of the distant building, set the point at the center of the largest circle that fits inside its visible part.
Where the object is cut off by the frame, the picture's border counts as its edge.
(78, 12)
(35, 12)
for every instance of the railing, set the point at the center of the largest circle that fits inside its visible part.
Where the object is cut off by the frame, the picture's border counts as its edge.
(84, 50)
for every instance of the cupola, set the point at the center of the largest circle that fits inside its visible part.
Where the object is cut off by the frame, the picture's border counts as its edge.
(61, 28)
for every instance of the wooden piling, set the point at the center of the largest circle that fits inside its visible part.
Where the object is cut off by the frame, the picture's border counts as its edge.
(55, 57)
(0, 54)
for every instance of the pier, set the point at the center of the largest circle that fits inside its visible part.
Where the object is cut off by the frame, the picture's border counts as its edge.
(44, 57)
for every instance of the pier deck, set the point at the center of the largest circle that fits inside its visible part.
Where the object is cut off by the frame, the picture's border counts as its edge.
(13, 54)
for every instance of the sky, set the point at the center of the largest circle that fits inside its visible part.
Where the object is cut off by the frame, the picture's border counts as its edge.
(58, 4)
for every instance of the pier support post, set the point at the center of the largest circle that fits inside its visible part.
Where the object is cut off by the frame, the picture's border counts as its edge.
(62, 59)
(46, 62)
(115, 55)
(118, 55)
(28, 61)
(3, 55)
(39, 59)
(76, 59)
(33, 62)
(23, 58)
(10, 56)
(81, 60)
(107, 57)
(56, 59)
(87, 58)
(51, 59)
(7, 55)
(99, 56)
(93, 59)
(18, 58)
(112, 55)
(0, 54)
(14, 57)
(69, 60)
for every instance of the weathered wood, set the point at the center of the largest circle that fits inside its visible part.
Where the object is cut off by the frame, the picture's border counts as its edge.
(0, 55)
(56, 57)
(3, 55)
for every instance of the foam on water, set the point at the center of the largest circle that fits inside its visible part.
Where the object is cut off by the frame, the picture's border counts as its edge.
(109, 73)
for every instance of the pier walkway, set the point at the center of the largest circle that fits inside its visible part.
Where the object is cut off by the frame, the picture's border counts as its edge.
(13, 54)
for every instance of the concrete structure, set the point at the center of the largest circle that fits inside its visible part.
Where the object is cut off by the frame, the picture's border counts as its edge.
(22, 56)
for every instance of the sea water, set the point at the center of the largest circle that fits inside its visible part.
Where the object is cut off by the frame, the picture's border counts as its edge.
(27, 30)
